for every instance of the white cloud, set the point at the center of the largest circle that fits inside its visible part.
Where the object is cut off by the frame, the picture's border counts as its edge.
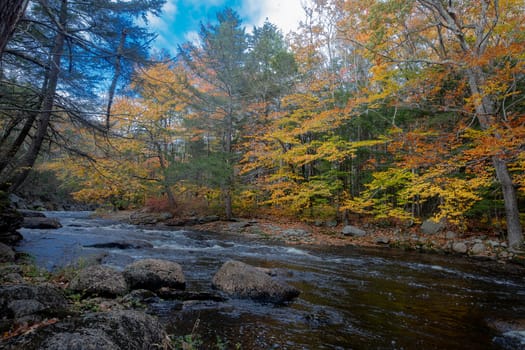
(193, 37)
(162, 23)
(285, 14)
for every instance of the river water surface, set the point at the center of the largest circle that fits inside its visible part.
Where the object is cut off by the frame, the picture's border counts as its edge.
(350, 298)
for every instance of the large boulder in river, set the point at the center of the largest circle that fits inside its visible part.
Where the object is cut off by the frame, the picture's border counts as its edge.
(153, 274)
(43, 223)
(124, 244)
(99, 280)
(29, 303)
(114, 330)
(245, 281)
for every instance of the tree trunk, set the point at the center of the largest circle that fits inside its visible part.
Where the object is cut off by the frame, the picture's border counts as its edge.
(486, 114)
(116, 75)
(10, 13)
(514, 229)
(227, 190)
(162, 162)
(47, 104)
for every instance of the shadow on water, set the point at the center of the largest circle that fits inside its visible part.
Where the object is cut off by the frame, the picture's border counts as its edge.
(350, 298)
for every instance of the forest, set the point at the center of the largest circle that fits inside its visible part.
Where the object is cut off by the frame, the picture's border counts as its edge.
(387, 111)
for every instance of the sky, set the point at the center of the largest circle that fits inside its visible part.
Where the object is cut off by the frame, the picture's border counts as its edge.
(180, 20)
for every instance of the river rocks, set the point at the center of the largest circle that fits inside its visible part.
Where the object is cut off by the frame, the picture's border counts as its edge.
(450, 235)
(431, 227)
(114, 330)
(382, 240)
(99, 280)
(459, 247)
(128, 244)
(146, 218)
(511, 333)
(192, 221)
(41, 223)
(245, 281)
(350, 230)
(154, 274)
(29, 303)
(295, 234)
(26, 213)
(477, 249)
(6, 253)
(10, 220)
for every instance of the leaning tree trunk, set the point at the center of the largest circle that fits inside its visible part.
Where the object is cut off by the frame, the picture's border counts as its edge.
(486, 115)
(47, 104)
(10, 13)
(514, 229)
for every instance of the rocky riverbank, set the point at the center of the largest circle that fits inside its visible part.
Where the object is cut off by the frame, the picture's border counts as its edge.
(92, 306)
(429, 236)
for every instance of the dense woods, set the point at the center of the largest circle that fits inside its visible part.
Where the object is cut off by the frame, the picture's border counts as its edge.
(394, 111)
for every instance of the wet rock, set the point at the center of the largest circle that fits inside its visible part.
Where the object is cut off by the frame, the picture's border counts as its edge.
(86, 339)
(245, 281)
(430, 227)
(114, 330)
(30, 303)
(11, 238)
(459, 247)
(99, 280)
(145, 218)
(154, 274)
(207, 219)
(140, 296)
(26, 213)
(12, 278)
(477, 249)
(493, 244)
(41, 223)
(128, 244)
(171, 294)
(17, 201)
(6, 253)
(451, 235)
(382, 240)
(511, 333)
(331, 223)
(10, 220)
(350, 230)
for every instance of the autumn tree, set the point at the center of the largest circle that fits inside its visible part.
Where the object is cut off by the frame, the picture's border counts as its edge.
(451, 56)
(217, 66)
(56, 61)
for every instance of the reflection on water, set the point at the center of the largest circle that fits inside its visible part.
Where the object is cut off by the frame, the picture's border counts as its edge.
(351, 298)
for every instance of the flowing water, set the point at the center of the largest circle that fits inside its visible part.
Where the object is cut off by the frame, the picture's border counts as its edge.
(350, 298)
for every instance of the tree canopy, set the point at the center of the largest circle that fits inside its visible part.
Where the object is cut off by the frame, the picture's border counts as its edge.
(392, 110)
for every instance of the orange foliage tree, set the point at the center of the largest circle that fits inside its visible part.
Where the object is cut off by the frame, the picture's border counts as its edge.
(459, 57)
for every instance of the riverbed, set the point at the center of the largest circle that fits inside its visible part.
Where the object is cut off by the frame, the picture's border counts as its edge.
(351, 298)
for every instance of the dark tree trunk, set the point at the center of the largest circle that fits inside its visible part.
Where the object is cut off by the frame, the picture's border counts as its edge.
(116, 75)
(42, 123)
(10, 13)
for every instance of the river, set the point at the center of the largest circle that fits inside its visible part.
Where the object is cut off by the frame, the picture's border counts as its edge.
(351, 298)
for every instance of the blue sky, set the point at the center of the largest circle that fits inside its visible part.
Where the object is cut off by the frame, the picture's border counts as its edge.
(181, 19)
